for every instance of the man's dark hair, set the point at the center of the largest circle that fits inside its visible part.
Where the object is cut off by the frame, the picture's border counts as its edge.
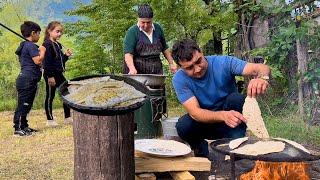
(145, 11)
(183, 50)
(27, 27)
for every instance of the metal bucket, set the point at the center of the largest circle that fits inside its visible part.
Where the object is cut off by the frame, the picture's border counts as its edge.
(147, 117)
(169, 127)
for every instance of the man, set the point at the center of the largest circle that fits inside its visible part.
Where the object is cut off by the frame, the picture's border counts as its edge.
(206, 88)
(143, 44)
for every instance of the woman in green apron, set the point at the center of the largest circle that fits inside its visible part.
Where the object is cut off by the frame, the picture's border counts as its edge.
(143, 44)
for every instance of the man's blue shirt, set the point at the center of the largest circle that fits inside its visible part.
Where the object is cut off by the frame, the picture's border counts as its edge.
(214, 86)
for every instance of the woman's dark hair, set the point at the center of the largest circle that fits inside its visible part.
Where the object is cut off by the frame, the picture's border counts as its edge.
(50, 27)
(27, 27)
(183, 50)
(145, 11)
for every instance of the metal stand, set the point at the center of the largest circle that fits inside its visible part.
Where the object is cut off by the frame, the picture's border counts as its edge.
(233, 167)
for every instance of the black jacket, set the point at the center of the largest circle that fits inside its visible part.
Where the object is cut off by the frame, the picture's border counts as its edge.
(54, 59)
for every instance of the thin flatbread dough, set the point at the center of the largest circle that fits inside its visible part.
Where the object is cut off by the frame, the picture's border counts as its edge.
(295, 144)
(252, 113)
(237, 142)
(260, 147)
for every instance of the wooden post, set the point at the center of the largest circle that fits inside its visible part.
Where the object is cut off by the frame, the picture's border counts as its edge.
(103, 146)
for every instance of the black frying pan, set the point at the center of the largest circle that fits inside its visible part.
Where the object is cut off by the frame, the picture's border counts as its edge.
(289, 154)
(105, 111)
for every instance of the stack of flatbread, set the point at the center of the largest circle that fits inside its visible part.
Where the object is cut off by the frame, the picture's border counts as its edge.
(255, 123)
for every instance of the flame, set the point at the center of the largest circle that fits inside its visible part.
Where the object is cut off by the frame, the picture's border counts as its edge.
(278, 171)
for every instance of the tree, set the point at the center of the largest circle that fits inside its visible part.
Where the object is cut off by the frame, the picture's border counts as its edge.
(199, 22)
(99, 35)
(290, 39)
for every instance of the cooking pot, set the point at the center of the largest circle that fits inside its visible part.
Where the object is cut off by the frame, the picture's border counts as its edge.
(148, 79)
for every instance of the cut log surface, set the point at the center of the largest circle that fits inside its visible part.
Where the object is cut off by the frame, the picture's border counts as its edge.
(185, 175)
(255, 123)
(147, 163)
(146, 176)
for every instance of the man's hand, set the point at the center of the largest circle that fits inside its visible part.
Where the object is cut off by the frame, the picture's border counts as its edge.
(256, 87)
(173, 68)
(232, 118)
(132, 70)
(51, 81)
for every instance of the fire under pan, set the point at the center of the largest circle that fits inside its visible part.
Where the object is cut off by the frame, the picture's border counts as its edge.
(289, 154)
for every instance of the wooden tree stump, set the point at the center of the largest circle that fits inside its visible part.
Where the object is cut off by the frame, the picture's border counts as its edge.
(103, 146)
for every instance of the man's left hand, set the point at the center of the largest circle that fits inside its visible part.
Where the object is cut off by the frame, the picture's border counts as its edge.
(173, 68)
(256, 87)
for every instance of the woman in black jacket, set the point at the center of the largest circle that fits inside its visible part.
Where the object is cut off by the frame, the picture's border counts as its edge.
(54, 67)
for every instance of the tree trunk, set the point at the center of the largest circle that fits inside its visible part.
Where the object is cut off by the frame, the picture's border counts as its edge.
(259, 33)
(214, 46)
(303, 89)
(104, 147)
(217, 43)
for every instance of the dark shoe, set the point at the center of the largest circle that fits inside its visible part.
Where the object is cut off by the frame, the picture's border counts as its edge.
(30, 130)
(21, 133)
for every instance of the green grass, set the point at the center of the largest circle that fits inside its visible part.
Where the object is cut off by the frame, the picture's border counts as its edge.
(8, 98)
(46, 155)
(49, 153)
(292, 127)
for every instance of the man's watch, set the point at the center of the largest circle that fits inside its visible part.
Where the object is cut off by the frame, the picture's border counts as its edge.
(264, 77)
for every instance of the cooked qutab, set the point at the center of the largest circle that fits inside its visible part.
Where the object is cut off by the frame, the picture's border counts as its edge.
(103, 92)
(295, 144)
(260, 147)
(255, 123)
(237, 142)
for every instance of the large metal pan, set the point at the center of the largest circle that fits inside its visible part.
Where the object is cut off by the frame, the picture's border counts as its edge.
(105, 111)
(289, 154)
(148, 79)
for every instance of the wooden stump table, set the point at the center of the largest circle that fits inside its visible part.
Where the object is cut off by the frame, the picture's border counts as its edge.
(103, 146)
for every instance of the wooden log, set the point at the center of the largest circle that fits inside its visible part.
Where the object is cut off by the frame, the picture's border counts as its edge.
(146, 176)
(104, 146)
(157, 164)
(184, 175)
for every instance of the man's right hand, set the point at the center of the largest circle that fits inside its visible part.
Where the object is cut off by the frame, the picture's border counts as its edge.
(133, 70)
(51, 81)
(233, 118)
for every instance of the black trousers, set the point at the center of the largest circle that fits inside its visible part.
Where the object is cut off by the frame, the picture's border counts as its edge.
(26, 86)
(50, 94)
(195, 132)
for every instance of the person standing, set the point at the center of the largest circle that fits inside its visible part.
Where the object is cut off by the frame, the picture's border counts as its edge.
(143, 44)
(54, 67)
(30, 58)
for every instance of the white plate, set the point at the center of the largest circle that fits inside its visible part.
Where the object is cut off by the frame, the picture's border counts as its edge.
(162, 148)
